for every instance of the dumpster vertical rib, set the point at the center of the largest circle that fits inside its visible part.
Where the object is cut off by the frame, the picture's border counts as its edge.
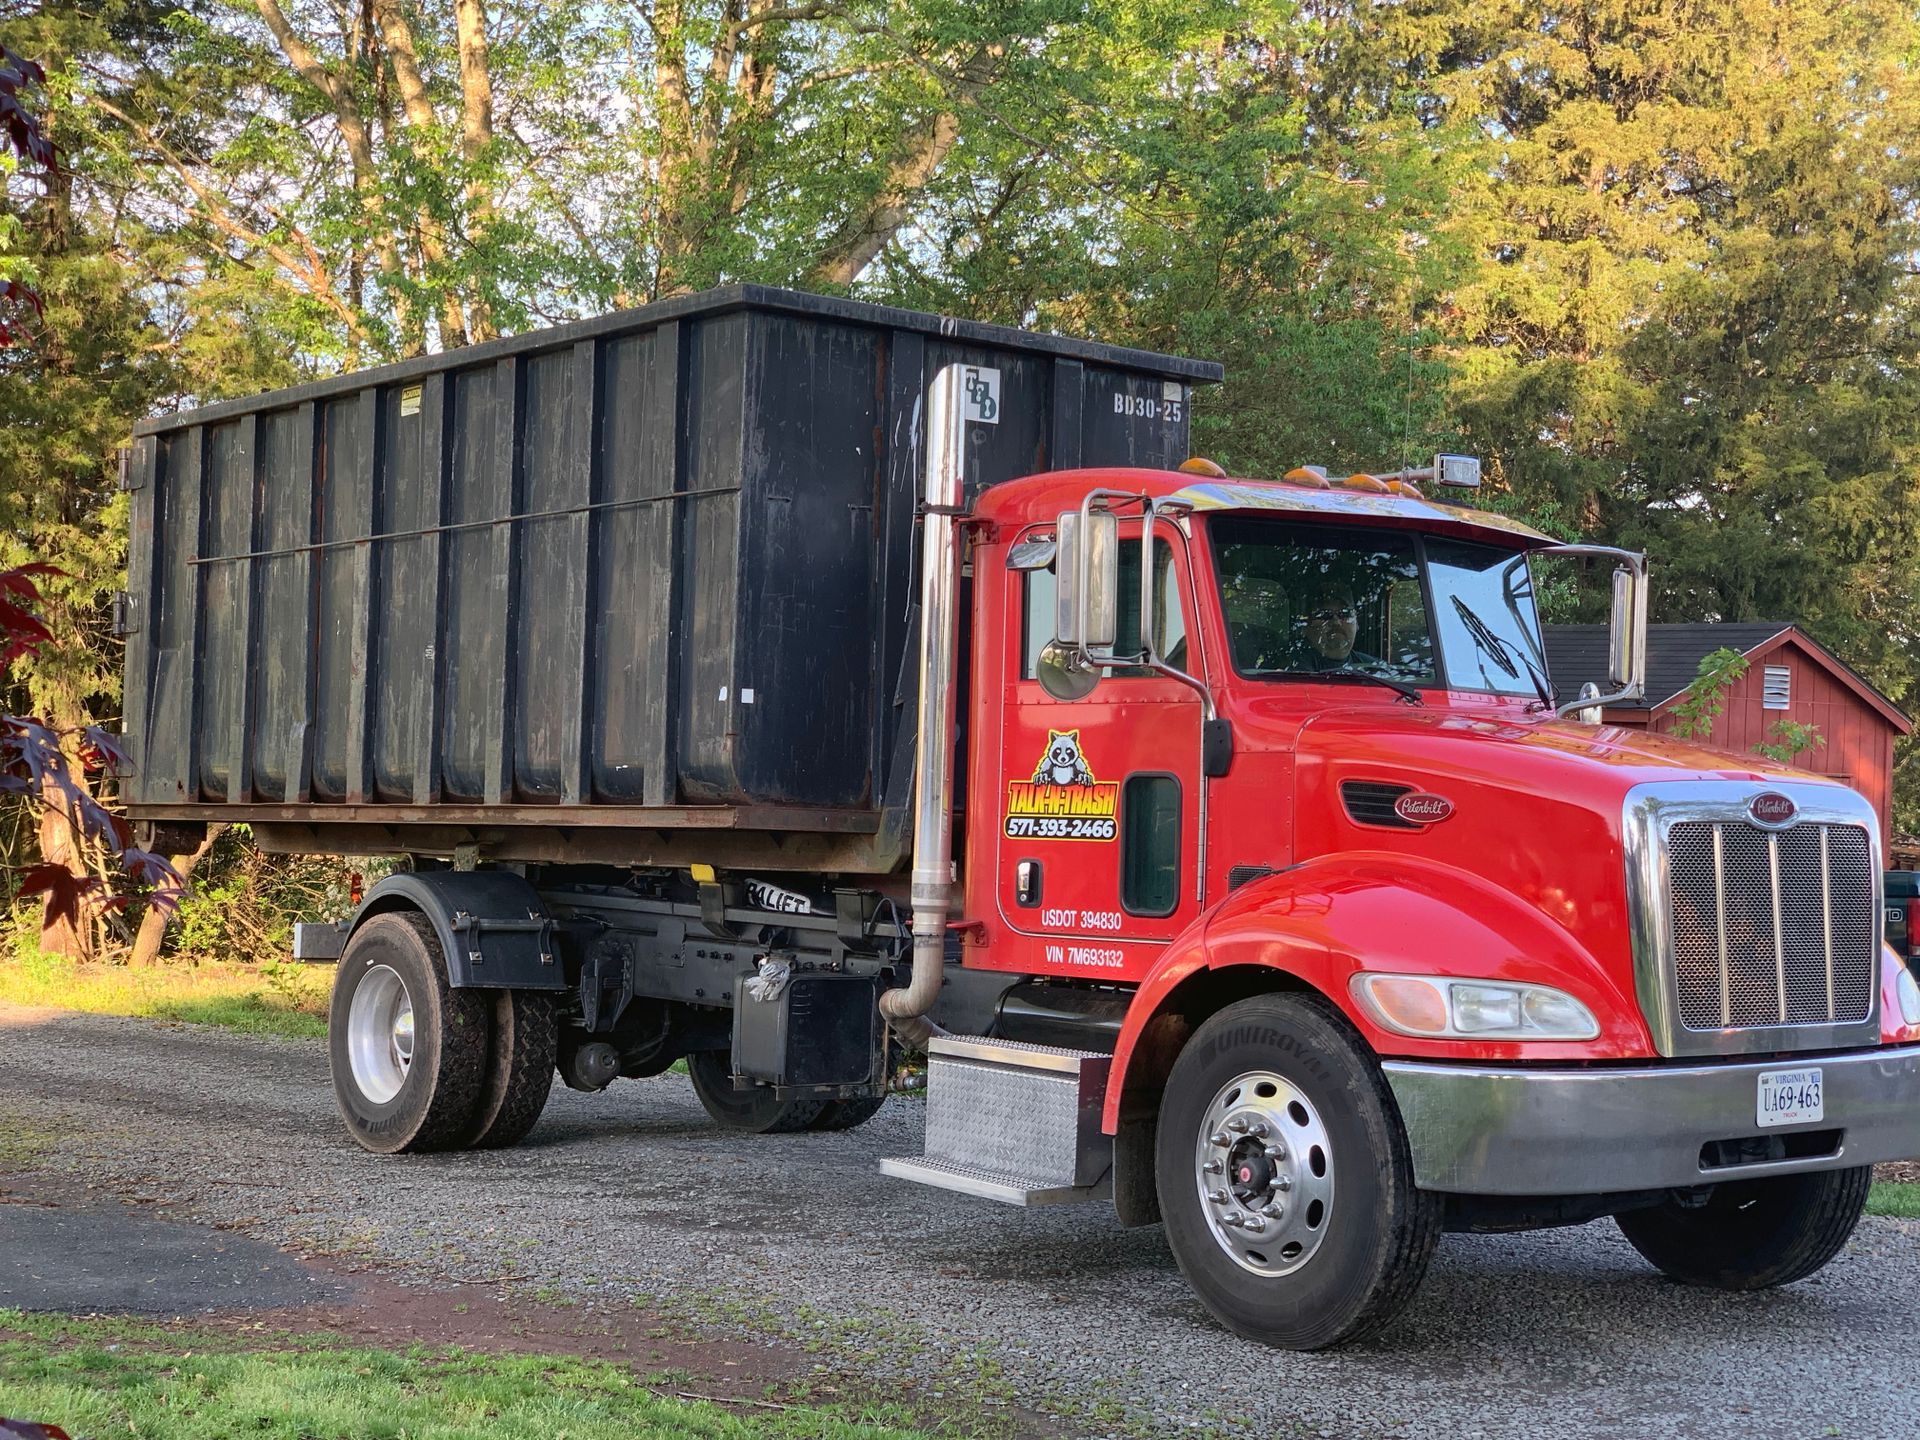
(193, 537)
(586, 481)
(894, 685)
(509, 411)
(136, 719)
(435, 458)
(239, 772)
(361, 647)
(308, 460)
(1069, 402)
(664, 454)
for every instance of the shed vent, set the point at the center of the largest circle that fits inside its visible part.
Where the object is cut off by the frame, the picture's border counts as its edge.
(1776, 688)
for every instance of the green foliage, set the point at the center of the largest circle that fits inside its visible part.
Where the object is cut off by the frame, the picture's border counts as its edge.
(1654, 263)
(117, 1377)
(1787, 739)
(1900, 1199)
(242, 903)
(1695, 714)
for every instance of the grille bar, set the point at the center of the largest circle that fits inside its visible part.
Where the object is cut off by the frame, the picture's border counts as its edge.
(1767, 926)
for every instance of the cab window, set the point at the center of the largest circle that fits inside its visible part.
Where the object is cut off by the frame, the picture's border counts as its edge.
(1169, 614)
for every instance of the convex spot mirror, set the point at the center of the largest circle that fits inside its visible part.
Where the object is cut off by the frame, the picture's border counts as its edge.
(1062, 675)
(1087, 588)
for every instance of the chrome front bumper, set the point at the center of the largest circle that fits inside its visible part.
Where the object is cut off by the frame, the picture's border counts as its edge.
(1484, 1131)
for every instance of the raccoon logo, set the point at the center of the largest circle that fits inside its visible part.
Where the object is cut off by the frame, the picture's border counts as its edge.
(1062, 764)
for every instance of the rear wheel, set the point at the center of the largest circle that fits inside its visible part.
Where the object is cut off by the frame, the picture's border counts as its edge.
(845, 1114)
(1285, 1177)
(520, 1063)
(409, 1052)
(756, 1111)
(1753, 1234)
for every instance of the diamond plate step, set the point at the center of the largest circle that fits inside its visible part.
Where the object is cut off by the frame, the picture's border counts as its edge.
(1013, 1122)
(989, 1185)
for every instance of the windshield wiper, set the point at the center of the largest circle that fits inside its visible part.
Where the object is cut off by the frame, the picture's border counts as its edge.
(1347, 672)
(1498, 651)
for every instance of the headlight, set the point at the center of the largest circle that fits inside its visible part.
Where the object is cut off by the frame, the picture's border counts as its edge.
(1432, 1007)
(1908, 989)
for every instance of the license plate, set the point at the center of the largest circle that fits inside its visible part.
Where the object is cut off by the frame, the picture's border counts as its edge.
(1790, 1097)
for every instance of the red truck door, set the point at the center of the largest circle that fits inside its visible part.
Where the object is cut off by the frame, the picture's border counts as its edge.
(1099, 805)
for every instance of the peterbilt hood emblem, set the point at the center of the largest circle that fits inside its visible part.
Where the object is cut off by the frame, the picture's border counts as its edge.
(1419, 808)
(1772, 808)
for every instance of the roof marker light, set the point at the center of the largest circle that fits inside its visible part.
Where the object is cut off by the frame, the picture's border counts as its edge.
(1200, 465)
(1314, 475)
(1372, 484)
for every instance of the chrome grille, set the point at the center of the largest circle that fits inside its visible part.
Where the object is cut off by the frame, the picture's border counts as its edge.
(1771, 927)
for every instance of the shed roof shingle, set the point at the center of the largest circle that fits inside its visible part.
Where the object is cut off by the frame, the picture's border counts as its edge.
(1578, 653)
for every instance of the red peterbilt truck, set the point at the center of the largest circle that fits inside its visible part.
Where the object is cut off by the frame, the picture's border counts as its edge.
(789, 685)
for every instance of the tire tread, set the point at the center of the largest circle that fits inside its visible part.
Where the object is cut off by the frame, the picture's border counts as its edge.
(525, 1042)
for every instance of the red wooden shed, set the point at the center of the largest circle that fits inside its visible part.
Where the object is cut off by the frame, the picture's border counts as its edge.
(1790, 676)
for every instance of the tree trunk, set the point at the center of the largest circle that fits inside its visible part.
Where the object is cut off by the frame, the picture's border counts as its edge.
(153, 924)
(66, 935)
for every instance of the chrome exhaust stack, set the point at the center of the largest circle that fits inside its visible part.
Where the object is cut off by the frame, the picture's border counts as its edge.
(905, 1009)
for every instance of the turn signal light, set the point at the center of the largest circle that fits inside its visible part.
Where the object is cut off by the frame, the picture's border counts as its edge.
(1432, 1007)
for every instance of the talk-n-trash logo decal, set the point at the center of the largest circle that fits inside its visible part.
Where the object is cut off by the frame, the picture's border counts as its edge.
(1417, 807)
(1063, 800)
(1772, 808)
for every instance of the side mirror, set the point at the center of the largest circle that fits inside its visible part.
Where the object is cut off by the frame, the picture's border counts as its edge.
(1627, 632)
(1087, 581)
(1626, 627)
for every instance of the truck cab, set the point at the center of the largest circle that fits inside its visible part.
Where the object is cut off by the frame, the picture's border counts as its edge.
(1402, 947)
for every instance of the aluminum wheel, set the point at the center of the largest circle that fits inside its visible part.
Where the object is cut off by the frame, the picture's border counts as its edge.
(380, 1034)
(1264, 1166)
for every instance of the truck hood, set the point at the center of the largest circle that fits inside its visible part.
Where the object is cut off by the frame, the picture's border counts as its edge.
(1592, 766)
(1529, 809)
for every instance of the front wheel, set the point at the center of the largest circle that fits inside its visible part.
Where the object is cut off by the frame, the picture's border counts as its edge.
(1752, 1234)
(1285, 1177)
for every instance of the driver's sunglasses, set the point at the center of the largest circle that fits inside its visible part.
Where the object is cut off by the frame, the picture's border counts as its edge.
(1344, 613)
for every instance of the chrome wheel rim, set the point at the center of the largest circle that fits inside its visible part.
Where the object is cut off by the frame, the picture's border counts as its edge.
(380, 1034)
(1264, 1167)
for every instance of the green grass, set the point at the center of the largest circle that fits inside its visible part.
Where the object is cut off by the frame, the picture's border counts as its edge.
(1898, 1198)
(111, 1378)
(281, 999)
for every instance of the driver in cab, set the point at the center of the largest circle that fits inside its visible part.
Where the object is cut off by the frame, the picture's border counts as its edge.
(1332, 623)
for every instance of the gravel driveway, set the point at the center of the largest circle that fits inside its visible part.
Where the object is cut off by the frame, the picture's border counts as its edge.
(633, 1192)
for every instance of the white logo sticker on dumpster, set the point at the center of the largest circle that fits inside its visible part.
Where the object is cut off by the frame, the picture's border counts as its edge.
(983, 395)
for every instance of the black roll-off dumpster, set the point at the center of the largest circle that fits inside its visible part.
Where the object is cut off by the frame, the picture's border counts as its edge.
(582, 591)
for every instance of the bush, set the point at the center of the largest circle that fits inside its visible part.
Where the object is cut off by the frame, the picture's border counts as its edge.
(242, 903)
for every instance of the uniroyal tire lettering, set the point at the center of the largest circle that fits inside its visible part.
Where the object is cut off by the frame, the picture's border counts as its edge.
(1419, 808)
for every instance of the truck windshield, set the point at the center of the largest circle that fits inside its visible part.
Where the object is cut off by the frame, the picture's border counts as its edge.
(1307, 599)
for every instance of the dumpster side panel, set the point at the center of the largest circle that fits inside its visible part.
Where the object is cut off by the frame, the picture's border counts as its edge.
(282, 657)
(476, 605)
(632, 652)
(638, 564)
